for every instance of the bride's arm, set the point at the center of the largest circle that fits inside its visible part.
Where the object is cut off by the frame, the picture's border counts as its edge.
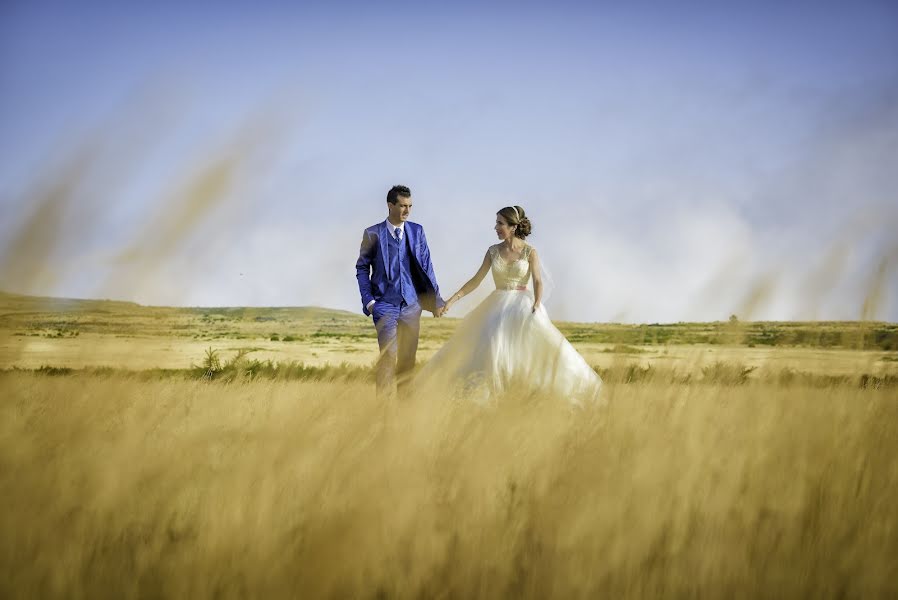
(472, 283)
(537, 279)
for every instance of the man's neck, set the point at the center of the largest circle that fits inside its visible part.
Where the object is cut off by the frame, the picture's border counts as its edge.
(399, 224)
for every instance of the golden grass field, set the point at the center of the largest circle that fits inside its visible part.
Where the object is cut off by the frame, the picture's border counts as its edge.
(126, 482)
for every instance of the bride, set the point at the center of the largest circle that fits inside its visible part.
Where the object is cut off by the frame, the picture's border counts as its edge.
(508, 342)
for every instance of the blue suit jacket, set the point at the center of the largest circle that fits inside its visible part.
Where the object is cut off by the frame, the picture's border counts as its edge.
(371, 267)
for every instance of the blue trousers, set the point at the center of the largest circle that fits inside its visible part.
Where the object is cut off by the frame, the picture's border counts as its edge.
(397, 336)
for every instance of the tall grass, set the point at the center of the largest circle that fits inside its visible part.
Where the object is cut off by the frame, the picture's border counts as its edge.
(114, 487)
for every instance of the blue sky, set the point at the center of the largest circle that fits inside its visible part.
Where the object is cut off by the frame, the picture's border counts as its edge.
(679, 160)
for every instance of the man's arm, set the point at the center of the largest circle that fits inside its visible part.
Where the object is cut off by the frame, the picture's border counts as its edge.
(363, 270)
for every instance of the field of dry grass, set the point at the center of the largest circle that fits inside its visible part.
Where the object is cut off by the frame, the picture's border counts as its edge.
(115, 487)
(711, 469)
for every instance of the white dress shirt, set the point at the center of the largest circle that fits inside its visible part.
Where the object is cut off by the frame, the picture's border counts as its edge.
(392, 228)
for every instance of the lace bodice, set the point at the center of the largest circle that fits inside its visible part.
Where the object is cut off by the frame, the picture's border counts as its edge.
(509, 275)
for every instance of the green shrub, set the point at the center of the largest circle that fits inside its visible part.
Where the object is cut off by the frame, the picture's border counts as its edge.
(725, 373)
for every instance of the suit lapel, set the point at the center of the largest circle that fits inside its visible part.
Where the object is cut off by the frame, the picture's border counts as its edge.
(384, 251)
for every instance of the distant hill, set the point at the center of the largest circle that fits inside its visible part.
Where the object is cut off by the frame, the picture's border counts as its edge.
(39, 314)
(19, 303)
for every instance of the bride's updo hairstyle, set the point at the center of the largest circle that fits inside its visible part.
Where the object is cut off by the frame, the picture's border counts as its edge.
(514, 215)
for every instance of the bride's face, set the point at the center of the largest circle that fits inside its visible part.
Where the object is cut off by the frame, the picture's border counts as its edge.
(503, 229)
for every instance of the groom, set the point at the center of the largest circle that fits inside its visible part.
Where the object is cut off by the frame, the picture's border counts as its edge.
(396, 280)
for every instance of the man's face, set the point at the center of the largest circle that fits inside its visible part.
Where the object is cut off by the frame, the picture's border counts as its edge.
(400, 211)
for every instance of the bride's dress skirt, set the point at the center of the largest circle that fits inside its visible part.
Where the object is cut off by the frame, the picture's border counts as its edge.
(501, 347)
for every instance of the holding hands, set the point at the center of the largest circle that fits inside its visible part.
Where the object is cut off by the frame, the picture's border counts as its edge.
(448, 305)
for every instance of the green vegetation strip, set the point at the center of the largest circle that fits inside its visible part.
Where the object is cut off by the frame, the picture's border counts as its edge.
(719, 373)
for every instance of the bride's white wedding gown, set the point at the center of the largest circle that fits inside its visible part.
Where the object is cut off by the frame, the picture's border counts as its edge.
(502, 346)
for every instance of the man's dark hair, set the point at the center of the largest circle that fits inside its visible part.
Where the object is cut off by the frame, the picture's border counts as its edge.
(396, 191)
